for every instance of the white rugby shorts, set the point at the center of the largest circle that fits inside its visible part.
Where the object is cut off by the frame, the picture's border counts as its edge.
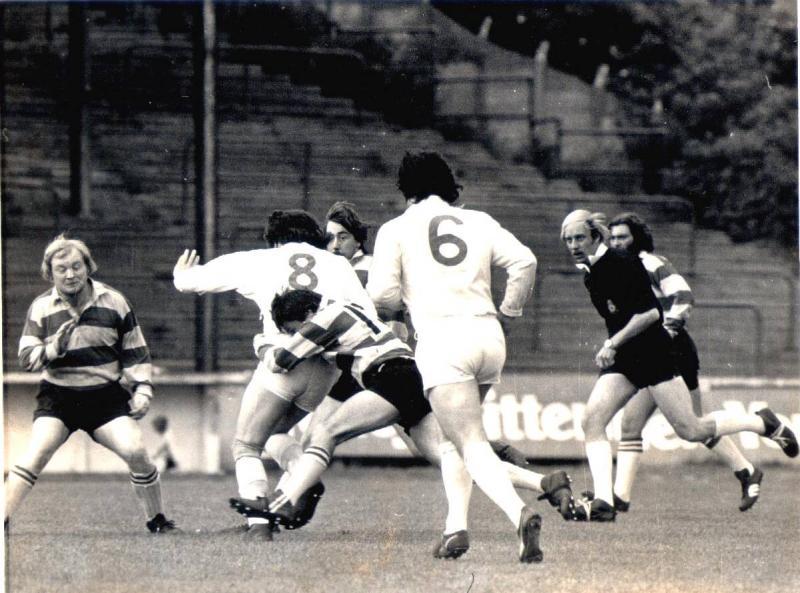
(305, 385)
(459, 349)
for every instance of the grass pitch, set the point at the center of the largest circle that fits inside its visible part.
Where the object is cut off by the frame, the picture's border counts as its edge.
(375, 528)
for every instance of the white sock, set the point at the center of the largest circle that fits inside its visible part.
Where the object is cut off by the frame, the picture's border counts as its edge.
(601, 465)
(731, 454)
(728, 422)
(306, 472)
(148, 490)
(489, 474)
(19, 483)
(629, 453)
(251, 478)
(457, 488)
(524, 478)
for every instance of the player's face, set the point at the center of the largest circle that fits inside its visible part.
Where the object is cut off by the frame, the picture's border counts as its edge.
(340, 240)
(69, 272)
(621, 237)
(291, 327)
(579, 242)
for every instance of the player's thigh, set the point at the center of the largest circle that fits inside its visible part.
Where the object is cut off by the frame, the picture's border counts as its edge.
(610, 393)
(636, 413)
(47, 435)
(675, 402)
(122, 435)
(458, 409)
(363, 412)
(305, 385)
(260, 414)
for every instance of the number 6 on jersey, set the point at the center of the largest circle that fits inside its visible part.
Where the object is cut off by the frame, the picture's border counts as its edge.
(446, 248)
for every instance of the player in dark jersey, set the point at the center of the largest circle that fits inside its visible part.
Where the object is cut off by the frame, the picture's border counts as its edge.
(628, 231)
(638, 354)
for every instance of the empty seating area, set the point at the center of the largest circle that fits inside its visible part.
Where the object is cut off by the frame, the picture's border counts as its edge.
(285, 145)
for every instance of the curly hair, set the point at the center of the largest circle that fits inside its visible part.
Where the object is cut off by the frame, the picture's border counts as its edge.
(642, 237)
(294, 305)
(424, 174)
(293, 226)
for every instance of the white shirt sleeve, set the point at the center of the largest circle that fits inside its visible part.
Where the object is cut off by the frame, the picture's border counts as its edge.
(221, 274)
(520, 264)
(384, 283)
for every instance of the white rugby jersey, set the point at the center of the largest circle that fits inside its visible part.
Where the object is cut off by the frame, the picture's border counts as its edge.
(670, 288)
(260, 274)
(437, 259)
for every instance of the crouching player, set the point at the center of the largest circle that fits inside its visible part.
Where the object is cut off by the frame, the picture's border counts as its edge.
(389, 390)
(84, 339)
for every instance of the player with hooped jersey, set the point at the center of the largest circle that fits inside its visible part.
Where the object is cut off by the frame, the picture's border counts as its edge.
(436, 260)
(274, 402)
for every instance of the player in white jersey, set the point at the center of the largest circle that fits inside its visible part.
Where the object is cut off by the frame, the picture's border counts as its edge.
(628, 231)
(436, 260)
(274, 402)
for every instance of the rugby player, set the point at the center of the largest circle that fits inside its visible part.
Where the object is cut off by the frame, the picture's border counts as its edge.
(389, 390)
(638, 355)
(435, 259)
(95, 376)
(274, 402)
(628, 231)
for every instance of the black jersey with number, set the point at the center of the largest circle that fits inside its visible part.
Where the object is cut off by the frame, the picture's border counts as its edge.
(619, 287)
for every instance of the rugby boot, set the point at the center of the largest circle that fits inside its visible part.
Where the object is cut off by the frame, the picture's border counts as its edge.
(751, 487)
(594, 509)
(509, 454)
(452, 545)
(261, 532)
(558, 492)
(306, 505)
(621, 506)
(779, 432)
(160, 524)
(530, 526)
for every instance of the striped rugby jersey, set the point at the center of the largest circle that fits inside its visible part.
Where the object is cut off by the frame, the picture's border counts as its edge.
(106, 345)
(361, 263)
(344, 333)
(437, 259)
(671, 289)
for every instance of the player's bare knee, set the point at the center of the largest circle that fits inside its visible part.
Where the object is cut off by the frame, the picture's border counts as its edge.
(137, 459)
(694, 432)
(240, 449)
(631, 428)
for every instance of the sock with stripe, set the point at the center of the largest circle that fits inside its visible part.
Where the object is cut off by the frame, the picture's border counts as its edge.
(147, 488)
(629, 453)
(457, 488)
(19, 483)
(601, 465)
(489, 474)
(306, 472)
(251, 478)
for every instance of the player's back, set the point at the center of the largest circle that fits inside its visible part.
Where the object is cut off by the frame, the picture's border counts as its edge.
(445, 255)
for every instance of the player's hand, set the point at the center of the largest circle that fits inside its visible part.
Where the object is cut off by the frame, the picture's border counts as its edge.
(140, 405)
(62, 336)
(605, 357)
(188, 259)
(505, 322)
(671, 331)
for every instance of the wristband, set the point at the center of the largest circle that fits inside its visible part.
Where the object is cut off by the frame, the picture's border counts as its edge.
(609, 344)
